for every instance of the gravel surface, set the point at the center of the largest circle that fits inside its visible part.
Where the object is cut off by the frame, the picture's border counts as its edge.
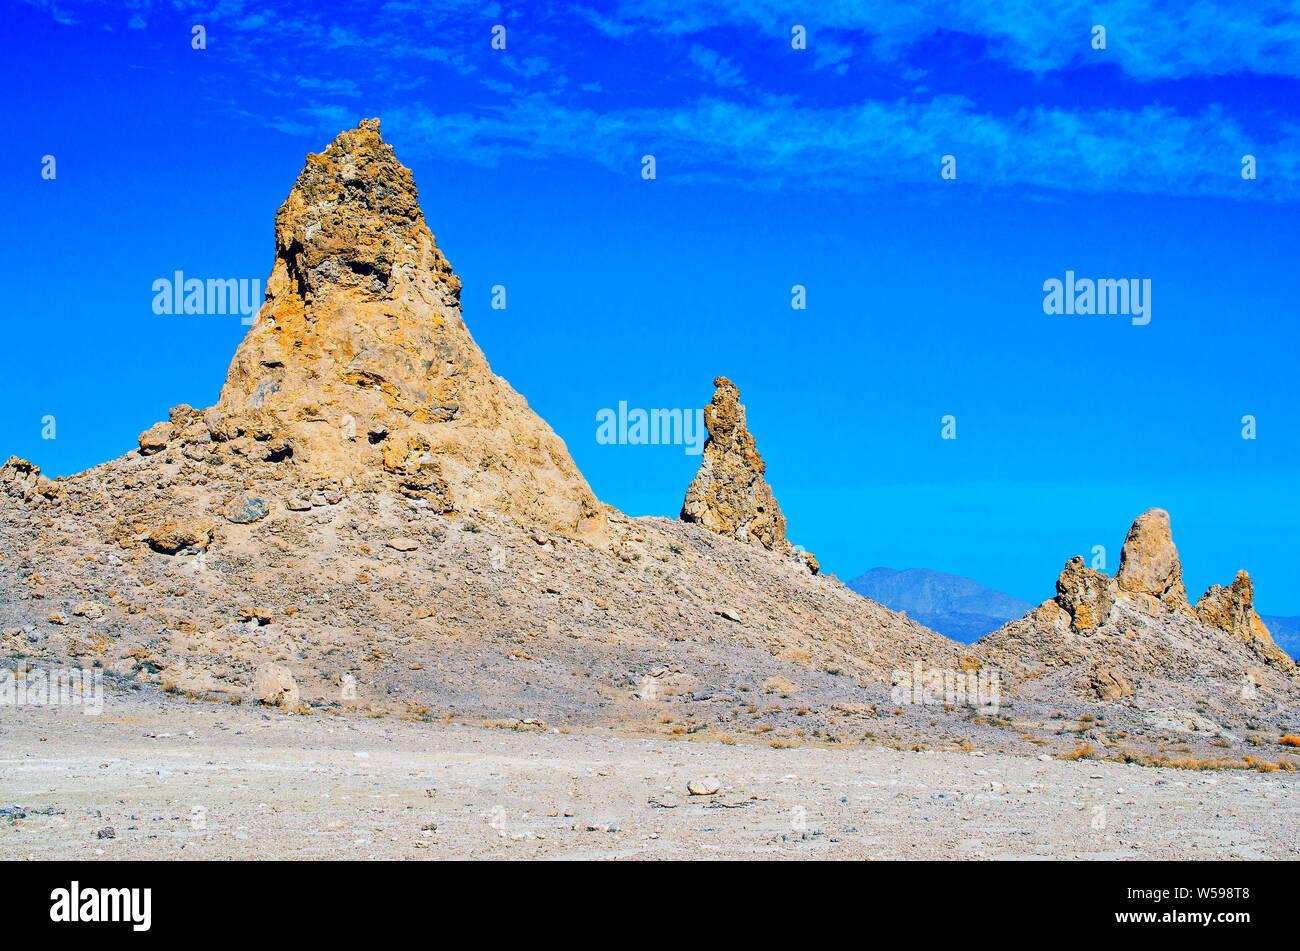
(178, 779)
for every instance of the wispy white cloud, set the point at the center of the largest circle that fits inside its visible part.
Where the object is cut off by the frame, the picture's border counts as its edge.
(779, 144)
(720, 119)
(718, 69)
(1148, 39)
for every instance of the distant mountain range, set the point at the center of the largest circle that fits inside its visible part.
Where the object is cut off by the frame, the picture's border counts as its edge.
(965, 610)
(956, 607)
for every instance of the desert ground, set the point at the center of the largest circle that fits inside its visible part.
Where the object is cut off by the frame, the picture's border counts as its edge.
(174, 778)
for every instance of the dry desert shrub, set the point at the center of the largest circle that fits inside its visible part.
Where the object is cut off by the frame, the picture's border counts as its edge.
(1082, 751)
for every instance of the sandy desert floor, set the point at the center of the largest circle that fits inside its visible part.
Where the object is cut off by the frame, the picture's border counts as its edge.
(186, 780)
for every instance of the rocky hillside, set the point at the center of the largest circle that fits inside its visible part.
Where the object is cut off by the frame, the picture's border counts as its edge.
(956, 607)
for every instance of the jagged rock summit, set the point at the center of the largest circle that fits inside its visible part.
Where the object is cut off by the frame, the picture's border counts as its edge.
(729, 494)
(1232, 610)
(1150, 582)
(1135, 638)
(360, 365)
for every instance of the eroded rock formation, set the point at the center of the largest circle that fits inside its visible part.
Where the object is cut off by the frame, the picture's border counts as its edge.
(359, 364)
(1149, 565)
(729, 494)
(1232, 610)
(1085, 594)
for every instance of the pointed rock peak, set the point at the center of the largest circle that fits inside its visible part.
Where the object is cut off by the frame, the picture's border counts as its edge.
(1149, 565)
(353, 220)
(729, 495)
(360, 364)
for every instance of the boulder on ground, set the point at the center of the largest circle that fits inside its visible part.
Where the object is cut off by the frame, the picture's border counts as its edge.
(274, 686)
(1106, 683)
(243, 509)
(174, 535)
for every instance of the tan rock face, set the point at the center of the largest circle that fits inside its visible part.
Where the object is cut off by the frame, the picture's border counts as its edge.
(729, 495)
(1149, 565)
(1232, 610)
(1087, 595)
(360, 346)
(1229, 609)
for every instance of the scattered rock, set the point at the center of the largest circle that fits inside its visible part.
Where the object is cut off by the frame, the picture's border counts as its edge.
(155, 438)
(20, 479)
(89, 610)
(244, 509)
(402, 544)
(702, 787)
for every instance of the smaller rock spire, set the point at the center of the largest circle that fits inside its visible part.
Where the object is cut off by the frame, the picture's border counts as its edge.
(1232, 610)
(729, 495)
(1087, 595)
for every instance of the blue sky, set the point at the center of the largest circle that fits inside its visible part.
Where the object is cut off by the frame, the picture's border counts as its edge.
(775, 167)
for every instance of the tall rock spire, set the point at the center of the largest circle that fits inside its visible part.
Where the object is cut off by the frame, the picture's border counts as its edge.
(360, 363)
(1149, 564)
(729, 495)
